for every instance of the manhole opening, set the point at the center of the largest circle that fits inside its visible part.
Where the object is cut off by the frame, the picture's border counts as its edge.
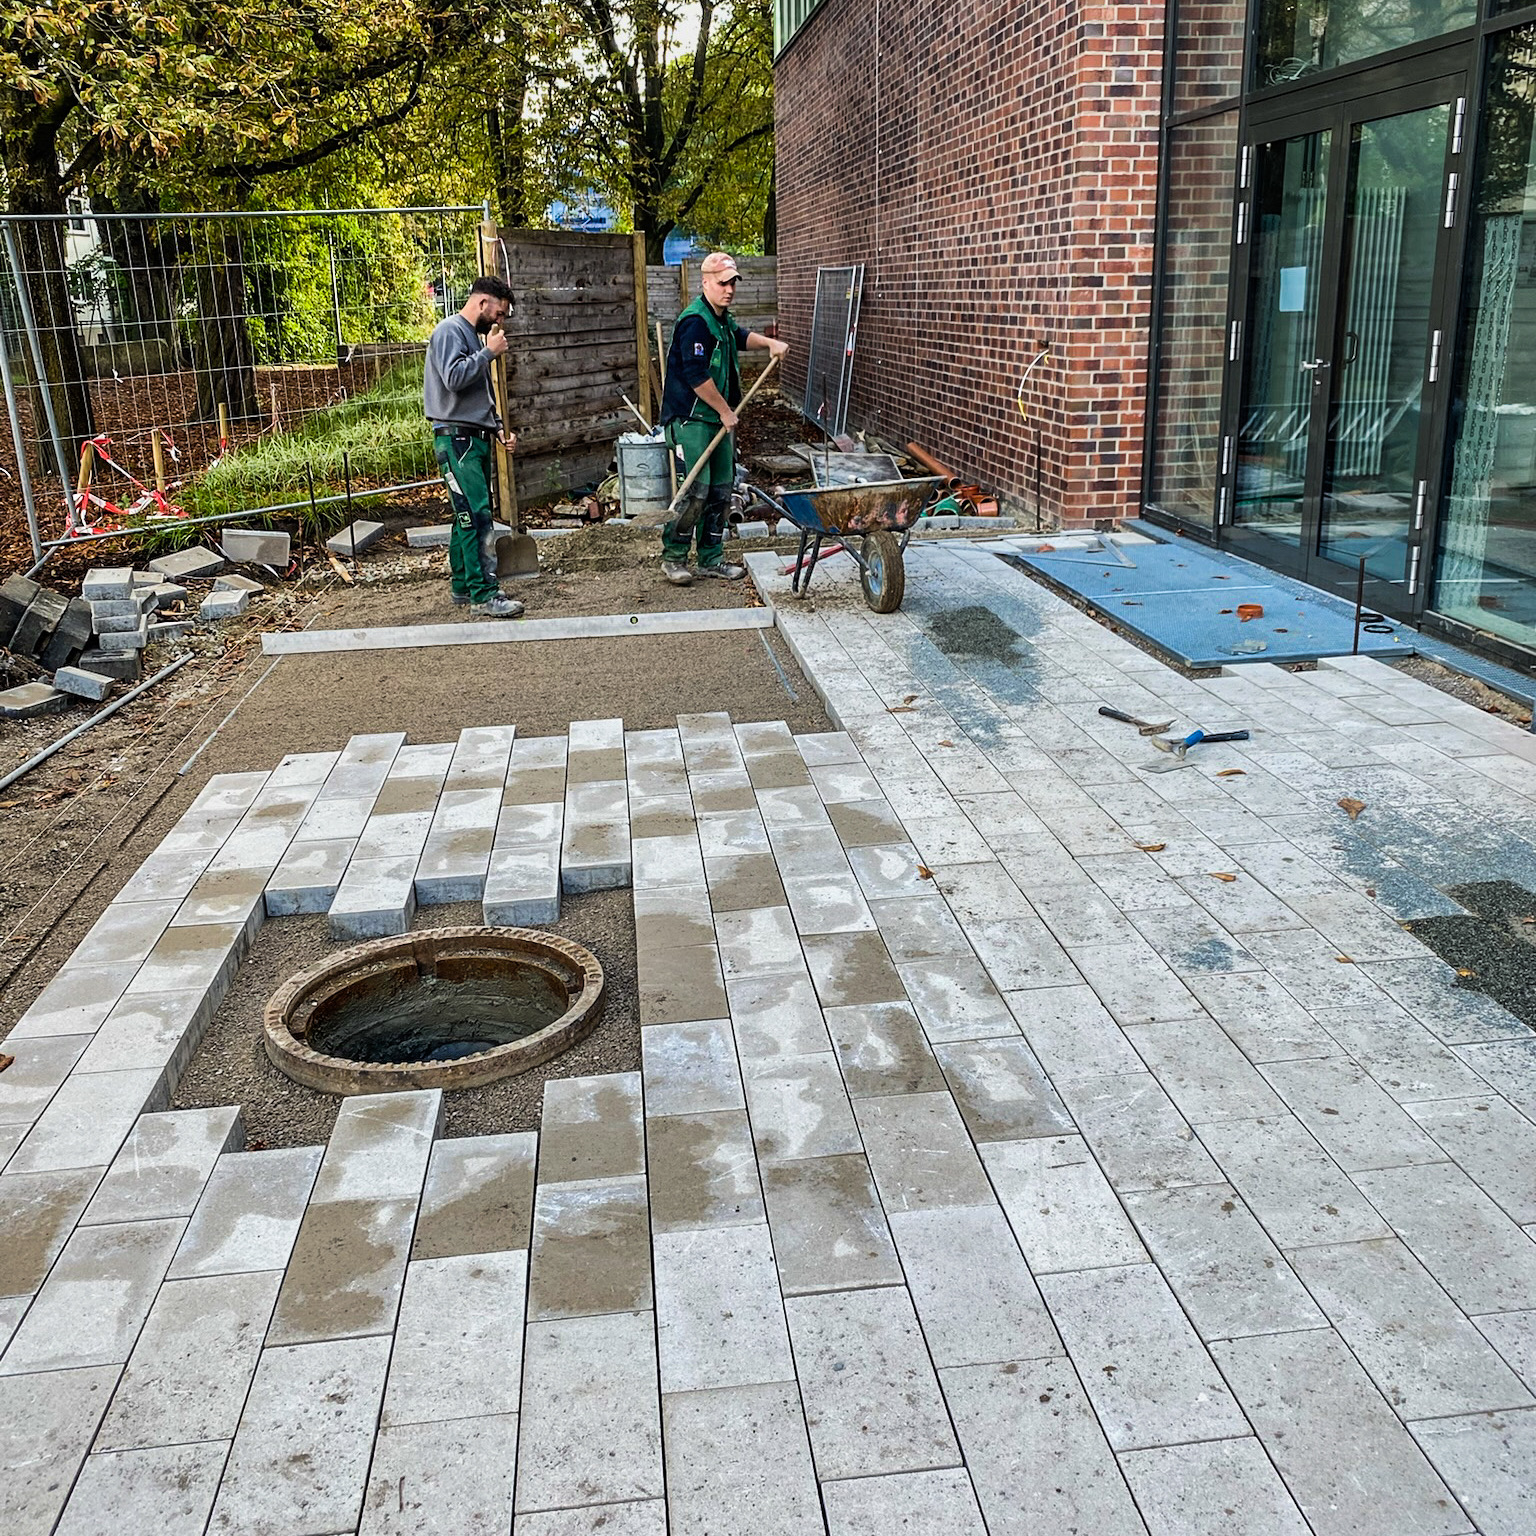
(449, 1008)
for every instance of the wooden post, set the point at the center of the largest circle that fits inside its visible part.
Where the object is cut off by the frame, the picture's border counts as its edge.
(87, 458)
(682, 286)
(159, 452)
(642, 329)
(506, 481)
(223, 426)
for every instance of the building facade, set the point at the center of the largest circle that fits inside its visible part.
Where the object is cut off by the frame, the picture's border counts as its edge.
(1282, 254)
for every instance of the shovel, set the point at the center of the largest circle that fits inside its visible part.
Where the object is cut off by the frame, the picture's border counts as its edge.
(718, 438)
(517, 553)
(1145, 727)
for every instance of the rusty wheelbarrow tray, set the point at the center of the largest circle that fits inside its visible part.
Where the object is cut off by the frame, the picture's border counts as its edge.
(872, 523)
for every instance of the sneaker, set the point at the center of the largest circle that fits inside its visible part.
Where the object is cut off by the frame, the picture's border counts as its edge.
(677, 573)
(497, 608)
(724, 572)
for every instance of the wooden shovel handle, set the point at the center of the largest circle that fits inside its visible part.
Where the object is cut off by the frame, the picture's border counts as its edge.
(719, 437)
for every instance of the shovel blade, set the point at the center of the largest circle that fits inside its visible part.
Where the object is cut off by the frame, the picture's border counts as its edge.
(517, 554)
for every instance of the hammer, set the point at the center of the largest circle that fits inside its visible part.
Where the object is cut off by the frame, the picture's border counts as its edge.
(1181, 747)
(1145, 727)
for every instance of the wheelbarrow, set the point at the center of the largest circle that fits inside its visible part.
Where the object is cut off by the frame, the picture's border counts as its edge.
(872, 523)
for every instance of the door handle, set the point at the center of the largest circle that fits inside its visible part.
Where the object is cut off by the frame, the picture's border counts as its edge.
(1353, 339)
(1317, 362)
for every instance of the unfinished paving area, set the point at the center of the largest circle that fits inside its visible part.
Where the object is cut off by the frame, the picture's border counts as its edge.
(1023, 1142)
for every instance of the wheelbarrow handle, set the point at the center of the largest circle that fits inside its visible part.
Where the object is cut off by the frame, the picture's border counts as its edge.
(719, 437)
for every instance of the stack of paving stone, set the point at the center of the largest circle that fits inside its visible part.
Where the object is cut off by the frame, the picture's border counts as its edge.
(44, 625)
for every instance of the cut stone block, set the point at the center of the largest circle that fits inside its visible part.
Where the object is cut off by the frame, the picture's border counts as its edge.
(15, 598)
(168, 1489)
(38, 622)
(223, 605)
(197, 561)
(47, 1423)
(249, 1213)
(167, 593)
(145, 579)
(140, 600)
(238, 583)
(164, 1164)
(104, 621)
(751, 530)
(164, 634)
(123, 666)
(82, 684)
(308, 877)
(107, 584)
(70, 636)
(362, 535)
(31, 699)
(135, 640)
(257, 545)
(522, 886)
(431, 536)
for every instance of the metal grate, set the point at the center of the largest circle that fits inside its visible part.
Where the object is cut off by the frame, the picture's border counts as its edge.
(834, 329)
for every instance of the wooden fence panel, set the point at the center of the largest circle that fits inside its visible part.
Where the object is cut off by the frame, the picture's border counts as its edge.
(671, 289)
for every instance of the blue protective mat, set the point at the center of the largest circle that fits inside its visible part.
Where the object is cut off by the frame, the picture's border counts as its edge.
(1184, 602)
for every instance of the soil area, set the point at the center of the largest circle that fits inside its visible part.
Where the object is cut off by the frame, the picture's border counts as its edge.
(231, 1065)
(74, 829)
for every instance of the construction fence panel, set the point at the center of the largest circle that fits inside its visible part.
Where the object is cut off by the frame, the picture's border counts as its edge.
(205, 366)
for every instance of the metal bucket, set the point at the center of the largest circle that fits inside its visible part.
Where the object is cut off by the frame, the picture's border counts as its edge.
(645, 486)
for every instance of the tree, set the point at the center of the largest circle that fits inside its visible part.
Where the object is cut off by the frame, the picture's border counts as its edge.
(668, 125)
(179, 101)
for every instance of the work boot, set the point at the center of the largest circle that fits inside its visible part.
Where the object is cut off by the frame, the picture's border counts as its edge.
(460, 599)
(497, 608)
(677, 573)
(724, 571)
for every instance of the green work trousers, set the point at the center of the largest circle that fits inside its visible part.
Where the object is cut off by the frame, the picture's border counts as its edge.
(704, 510)
(466, 462)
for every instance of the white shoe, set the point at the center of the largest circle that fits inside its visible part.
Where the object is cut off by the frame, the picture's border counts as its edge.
(497, 608)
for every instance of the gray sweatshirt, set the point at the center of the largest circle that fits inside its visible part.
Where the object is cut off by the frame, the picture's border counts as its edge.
(457, 378)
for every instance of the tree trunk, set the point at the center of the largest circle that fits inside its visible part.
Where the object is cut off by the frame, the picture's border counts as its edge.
(504, 129)
(771, 213)
(226, 361)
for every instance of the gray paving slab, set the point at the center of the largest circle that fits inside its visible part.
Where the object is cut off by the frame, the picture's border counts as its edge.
(459, 1339)
(777, 1016)
(124, 934)
(634, 1517)
(1509, 1066)
(760, 941)
(38, 1212)
(799, 1107)
(829, 903)
(917, 927)
(809, 848)
(376, 898)
(1211, 1488)
(522, 885)
(442, 1479)
(249, 1213)
(829, 1231)
(691, 1068)
(723, 832)
(1059, 1204)
(1202, 1071)
(1513, 1334)
(590, 1429)
(1261, 1018)
(75, 1002)
(1071, 1032)
(591, 1249)
(192, 1366)
(158, 1032)
(592, 1128)
(379, 1146)
(1035, 1451)
(300, 1459)
(1419, 1349)
(164, 1165)
(719, 1313)
(1486, 1459)
(680, 986)
(41, 1065)
(347, 1268)
(881, 1049)
(921, 1153)
(866, 823)
(1296, 1190)
(738, 1460)
(1435, 995)
(955, 999)
(1145, 1370)
(95, 1299)
(1136, 1132)
(1002, 1091)
(167, 1489)
(1401, 1054)
(740, 881)
(1484, 1261)
(478, 1197)
(664, 861)
(872, 1402)
(1357, 1121)
(46, 1425)
(200, 958)
(903, 1501)
(1228, 1276)
(1493, 1142)
(673, 917)
(1347, 1460)
(1134, 983)
(819, 748)
(973, 1291)
(703, 1172)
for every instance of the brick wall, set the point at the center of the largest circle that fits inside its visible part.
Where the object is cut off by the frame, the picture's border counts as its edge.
(995, 169)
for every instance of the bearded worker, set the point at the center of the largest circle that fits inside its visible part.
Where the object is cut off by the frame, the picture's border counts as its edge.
(460, 402)
(702, 393)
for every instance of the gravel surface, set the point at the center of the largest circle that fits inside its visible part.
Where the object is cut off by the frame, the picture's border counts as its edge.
(231, 1065)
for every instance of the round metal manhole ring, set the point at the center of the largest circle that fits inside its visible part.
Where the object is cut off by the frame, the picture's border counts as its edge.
(294, 1003)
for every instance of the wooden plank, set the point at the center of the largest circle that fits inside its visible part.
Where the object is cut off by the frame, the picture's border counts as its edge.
(642, 330)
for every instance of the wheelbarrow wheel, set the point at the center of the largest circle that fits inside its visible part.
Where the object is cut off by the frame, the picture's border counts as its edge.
(883, 576)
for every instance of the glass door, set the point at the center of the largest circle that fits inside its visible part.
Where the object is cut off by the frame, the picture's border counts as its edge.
(1346, 341)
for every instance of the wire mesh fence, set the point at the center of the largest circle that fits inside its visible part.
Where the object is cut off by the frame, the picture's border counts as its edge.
(170, 368)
